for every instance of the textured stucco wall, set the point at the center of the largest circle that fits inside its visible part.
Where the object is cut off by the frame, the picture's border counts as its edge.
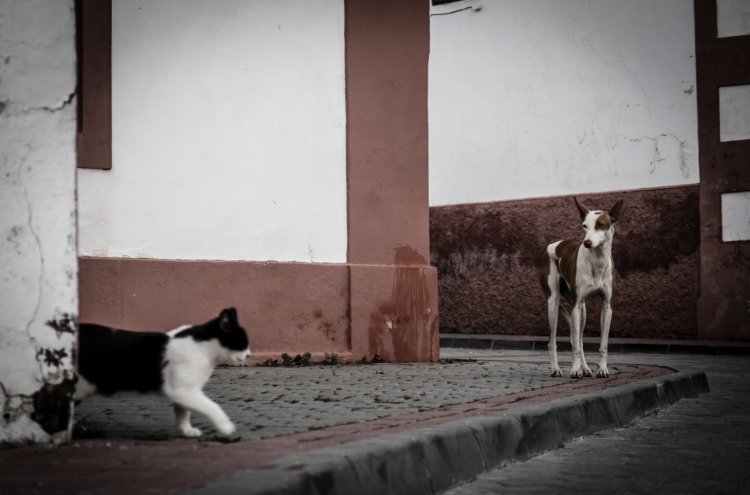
(487, 256)
(228, 134)
(38, 287)
(534, 98)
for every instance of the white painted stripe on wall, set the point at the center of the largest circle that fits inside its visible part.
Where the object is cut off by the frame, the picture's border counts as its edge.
(735, 216)
(532, 98)
(732, 17)
(734, 112)
(229, 134)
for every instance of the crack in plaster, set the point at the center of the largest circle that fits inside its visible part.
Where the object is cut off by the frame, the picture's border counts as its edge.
(656, 156)
(16, 110)
(14, 406)
(30, 221)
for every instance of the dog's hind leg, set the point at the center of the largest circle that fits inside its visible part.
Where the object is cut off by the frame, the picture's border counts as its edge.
(553, 303)
(586, 369)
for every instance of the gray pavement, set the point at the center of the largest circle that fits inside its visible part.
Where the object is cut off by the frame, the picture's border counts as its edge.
(267, 402)
(697, 445)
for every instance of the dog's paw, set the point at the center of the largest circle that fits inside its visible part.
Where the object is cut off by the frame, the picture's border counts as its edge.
(191, 432)
(602, 373)
(226, 428)
(587, 371)
(576, 373)
(556, 373)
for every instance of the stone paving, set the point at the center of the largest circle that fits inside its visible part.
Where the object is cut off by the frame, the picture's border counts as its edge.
(696, 446)
(267, 402)
(270, 405)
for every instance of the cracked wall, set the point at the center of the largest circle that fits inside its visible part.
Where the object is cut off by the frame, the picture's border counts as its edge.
(536, 98)
(38, 286)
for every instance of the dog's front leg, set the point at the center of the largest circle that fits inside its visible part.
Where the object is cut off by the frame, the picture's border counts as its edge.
(606, 319)
(553, 303)
(575, 342)
(584, 366)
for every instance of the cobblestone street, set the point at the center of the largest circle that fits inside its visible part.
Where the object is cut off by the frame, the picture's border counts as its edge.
(696, 446)
(266, 402)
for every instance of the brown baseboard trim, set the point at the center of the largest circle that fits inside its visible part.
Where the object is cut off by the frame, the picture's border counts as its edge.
(361, 310)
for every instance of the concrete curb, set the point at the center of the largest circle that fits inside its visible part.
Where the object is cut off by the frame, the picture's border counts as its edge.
(430, 460)
(591, 344)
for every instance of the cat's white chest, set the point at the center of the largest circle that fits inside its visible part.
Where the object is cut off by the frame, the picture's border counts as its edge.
(189, 363)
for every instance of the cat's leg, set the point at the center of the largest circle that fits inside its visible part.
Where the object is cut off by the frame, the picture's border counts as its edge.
(182, 416)
(195, 400)
(84, 388)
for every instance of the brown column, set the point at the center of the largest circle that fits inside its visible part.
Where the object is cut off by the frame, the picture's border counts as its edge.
(384, 300)
(393, 288)
(724, 304)
(94, 91)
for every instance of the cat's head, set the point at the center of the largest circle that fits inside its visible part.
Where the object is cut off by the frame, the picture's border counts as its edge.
(233, 338)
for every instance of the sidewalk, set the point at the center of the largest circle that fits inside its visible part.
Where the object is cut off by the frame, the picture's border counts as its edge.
(330, 424)
(591, 344)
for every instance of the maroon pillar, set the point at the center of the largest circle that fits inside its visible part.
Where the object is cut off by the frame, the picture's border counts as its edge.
(393, 288)
(724, 304)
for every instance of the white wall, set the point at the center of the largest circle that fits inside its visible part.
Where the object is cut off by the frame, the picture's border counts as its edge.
(734, 112)
(732, 17)
(533, 98)
(229, 125)
(38, 287)
(735, 216)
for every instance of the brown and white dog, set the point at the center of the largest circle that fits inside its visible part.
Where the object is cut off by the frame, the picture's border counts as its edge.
(578, 274)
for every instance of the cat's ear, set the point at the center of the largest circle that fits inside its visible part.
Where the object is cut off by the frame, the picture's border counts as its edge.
(226, 318)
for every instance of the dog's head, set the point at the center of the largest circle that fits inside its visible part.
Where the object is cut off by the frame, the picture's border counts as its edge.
(598, 224)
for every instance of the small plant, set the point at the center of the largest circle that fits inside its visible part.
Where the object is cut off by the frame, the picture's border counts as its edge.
(331, 360)
(298, 360)
(375, 360)
(287, 360)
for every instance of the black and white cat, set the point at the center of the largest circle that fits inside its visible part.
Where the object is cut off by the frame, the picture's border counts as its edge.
(177, 364)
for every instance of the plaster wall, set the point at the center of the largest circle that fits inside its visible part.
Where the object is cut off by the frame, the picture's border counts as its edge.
(733, 17)
(735, 216)
(228, 134)
(734, 112)
(38, 287)
(533, 98)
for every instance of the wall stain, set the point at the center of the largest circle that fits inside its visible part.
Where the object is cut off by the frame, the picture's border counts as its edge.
(52, 406)
(66, 323)
(400, 330)
(52, 357)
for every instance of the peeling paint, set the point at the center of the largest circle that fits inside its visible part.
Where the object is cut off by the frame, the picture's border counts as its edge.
(38, 290)
(53, 406)
(66, 323)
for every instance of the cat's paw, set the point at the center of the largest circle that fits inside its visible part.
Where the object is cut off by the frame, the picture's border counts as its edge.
(191, 432)
(226, 428)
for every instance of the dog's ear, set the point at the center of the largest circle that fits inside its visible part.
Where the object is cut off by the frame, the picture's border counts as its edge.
(581, 209)
(616, 211)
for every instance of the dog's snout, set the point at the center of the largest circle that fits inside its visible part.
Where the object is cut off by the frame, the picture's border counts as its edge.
(587, 243)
